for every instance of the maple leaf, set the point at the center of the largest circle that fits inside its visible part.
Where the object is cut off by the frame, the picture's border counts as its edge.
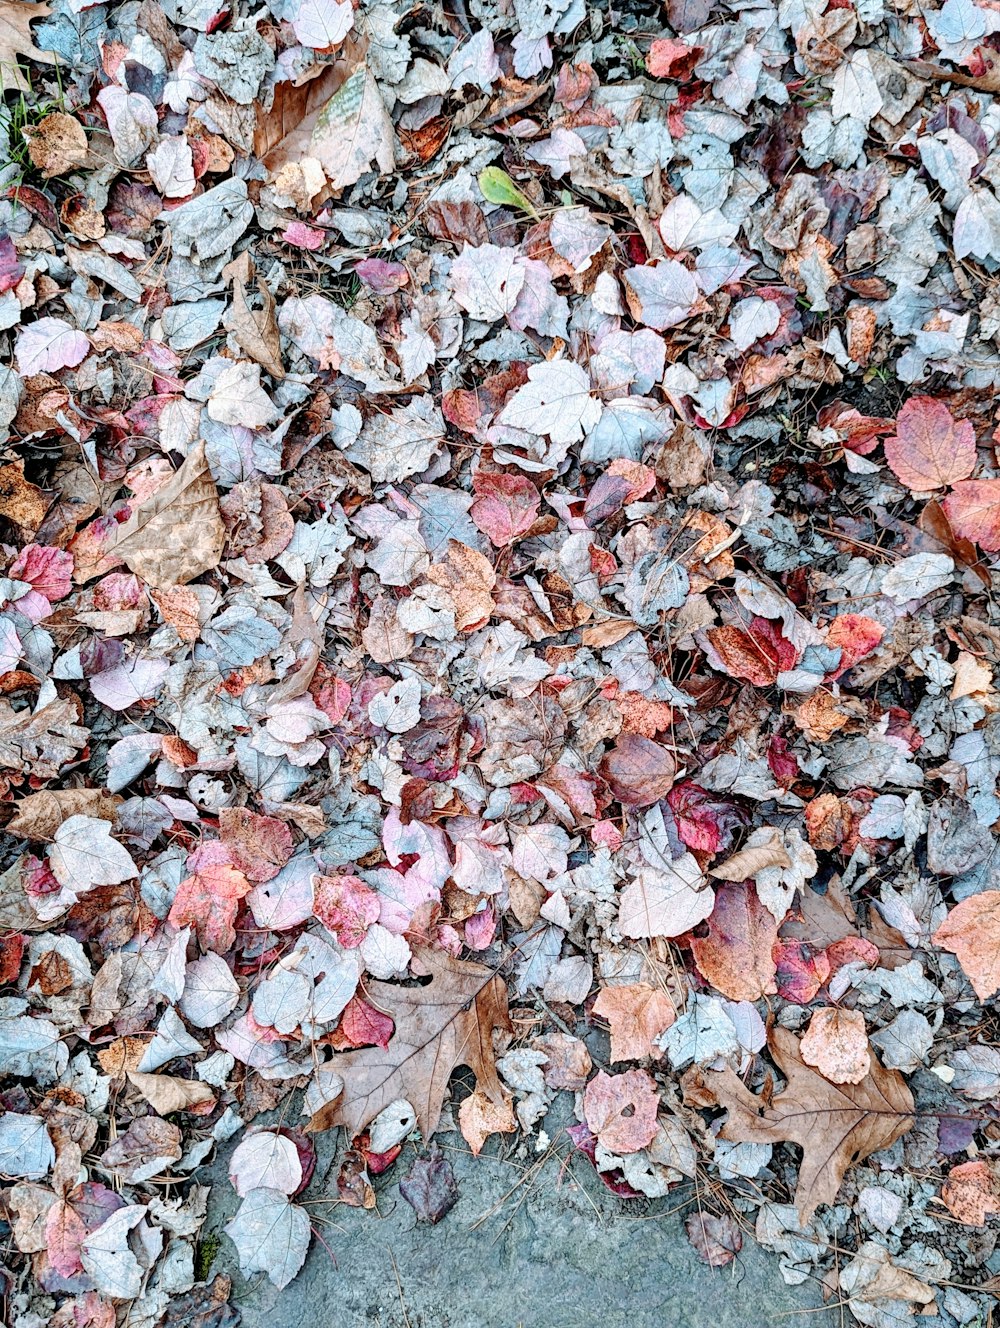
(444, 1024)
(930, 450)
(209, 898)
(835, 1125)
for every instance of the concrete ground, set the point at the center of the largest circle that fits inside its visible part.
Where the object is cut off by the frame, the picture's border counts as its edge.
(526, 1246)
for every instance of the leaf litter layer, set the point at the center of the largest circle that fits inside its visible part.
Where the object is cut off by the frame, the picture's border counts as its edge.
(499, 512)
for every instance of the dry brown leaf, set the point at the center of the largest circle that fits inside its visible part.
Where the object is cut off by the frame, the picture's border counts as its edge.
(121, 1056)
(836, 1043)
(16, 17)
(636, 1013)
(971, 1192)
(468, 577)
(167, 1093)
(40, 815)
(177, 533)
(971, 931)
(338, 120)
(835, 1125)
(255, 330)
(749, 861)
(479, 1117)
(446, 1023)
(20, 501)
(56, 144)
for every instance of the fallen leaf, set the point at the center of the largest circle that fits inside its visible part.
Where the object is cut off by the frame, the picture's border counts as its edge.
(56, 144)
(930, 449)
(637, 1014)
(271, 1236)
(448, 1022)
(835, 1125)
(715, 1240)
(836, 1043)
(620, 1109)
(16, 18)
(479, 1117)
(971, 931)
(175, 535)
(971, 1192)
(735, 956)
(639, 771)
(429, 1187)
(973, 508)
(166, 1093)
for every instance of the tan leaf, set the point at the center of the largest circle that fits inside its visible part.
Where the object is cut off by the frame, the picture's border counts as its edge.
(16, 17)
(177, 533)
(971, 931)
(255, 330)
(836, 1042)
(479, 1117)
(749, 861)
(636, 1013)
(836, 1125)
(40, 815)
(167, 1093)
(345, 132)
(448, 1022)
(56, 144)
(20, 501)
(468, 577)
(971, 1192)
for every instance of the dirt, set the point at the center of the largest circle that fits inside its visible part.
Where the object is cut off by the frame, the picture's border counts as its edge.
(531, 1243)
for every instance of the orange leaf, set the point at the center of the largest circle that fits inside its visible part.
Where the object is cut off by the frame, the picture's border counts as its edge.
(735, 956)
(971, 1192)
(836, 1043)
(971, 931)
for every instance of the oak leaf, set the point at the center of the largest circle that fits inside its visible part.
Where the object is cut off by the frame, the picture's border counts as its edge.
(971, 931)
(16, 40)
(930, 449)
(836, 1125)
(446, 1023)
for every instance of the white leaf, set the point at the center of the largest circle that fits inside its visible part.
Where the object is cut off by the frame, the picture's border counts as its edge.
(49, 344)
(665, 902)
(238, 398)
(171, 164)
(667, 293)
(85, 855)
(398, 709)
(265, 1161)
(25, 1147)
(384, 955)
(172, 1039)
(855, 89)
(210, 991)
(281, 1001)
(107, 1253)
(916, 576)
(751, 320)
(321, 24)
(684, 225)
(540, 851)
(555, 401)
(977, 226)
(486, 281)
(271, 1236)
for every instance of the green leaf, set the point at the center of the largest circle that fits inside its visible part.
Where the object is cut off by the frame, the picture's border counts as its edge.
(496, 186)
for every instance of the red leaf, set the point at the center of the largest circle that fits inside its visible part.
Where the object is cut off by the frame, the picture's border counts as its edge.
(757, 654)
(973, 508)
(364, 1026)
(735, 956)
(209, 899)
(506, 506)
(930, 450)
(856, 636)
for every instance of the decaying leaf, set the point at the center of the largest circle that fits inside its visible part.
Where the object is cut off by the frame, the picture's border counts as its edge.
(972, 932)
(446, 1023)
(835, 1125)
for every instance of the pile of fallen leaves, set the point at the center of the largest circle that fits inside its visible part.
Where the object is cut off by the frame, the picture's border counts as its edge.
(499, 512)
